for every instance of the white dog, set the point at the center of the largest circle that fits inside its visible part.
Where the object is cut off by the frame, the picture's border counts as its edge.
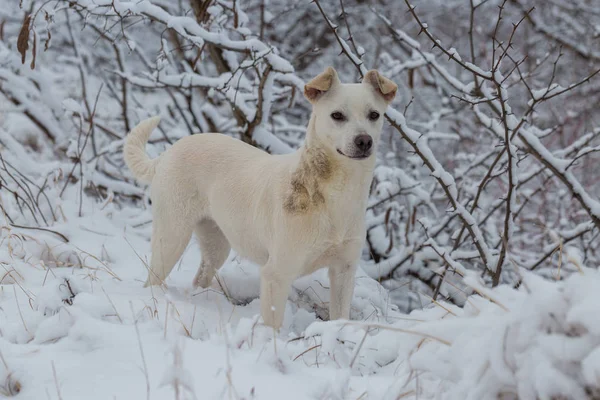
(292, 214)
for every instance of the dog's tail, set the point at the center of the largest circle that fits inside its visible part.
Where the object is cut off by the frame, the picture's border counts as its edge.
(142, 166)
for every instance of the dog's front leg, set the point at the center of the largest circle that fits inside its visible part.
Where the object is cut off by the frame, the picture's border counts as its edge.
(341, 283)
(275, 284)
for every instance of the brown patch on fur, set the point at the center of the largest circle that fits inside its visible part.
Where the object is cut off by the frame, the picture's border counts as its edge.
(318, 198)
(298, 199)
(315, 168)
(318, 162)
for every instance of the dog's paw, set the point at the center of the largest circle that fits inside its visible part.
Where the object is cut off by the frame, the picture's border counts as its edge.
(202, 280)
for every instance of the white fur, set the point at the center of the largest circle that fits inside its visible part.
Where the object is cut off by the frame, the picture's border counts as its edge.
(292, 214)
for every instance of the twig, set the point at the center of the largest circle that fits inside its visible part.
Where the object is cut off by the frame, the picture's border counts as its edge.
(63, 237)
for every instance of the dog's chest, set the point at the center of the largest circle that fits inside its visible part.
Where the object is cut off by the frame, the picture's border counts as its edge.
(337, 239)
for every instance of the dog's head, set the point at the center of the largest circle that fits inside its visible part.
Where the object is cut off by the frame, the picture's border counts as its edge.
(348, 117)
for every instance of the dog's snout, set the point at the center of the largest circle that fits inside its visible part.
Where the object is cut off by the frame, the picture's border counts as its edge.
(363, 142)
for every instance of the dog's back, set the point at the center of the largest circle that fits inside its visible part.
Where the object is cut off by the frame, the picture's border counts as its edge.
(214, 177)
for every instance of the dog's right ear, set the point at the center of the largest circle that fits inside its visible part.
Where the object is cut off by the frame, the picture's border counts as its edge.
(314, 89)
(384, 87)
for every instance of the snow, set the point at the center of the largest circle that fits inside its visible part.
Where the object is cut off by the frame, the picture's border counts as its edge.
(454, 54)
(539, 94)
(92, 321)
(561, 165)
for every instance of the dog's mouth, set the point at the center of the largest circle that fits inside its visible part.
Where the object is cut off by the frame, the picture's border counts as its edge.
(355, 156)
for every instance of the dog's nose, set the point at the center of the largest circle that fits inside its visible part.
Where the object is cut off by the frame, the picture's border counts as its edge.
(363, 142)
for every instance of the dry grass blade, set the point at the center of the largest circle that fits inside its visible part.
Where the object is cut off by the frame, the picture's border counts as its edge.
(20, 313)
(23, 39)
(56, 382)
(113, 305)
(360, 345)
(34, 51)
(394, 329)
(560, 258)
(63, 237)
(11, 386)
(489, 298)
(144, 365)
(306, 351)
(437, 303)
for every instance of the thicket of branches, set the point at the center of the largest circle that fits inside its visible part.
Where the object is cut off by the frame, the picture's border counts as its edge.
(488, 162)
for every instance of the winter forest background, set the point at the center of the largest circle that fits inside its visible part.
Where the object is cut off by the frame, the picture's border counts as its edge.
(487, 170)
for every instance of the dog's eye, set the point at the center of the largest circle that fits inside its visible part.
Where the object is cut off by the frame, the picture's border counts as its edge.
(373, 115)
(338, 116)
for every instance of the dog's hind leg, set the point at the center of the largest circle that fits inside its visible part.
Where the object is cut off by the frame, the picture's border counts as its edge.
(215, 249)
(170, 236)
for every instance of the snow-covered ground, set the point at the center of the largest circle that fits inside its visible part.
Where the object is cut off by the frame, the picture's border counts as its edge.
(76, 323)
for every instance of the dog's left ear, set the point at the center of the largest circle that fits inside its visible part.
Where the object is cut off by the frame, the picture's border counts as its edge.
(384, 87)
(320, 84)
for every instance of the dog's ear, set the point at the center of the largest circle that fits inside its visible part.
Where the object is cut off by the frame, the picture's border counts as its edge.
(314, 89)
(384, 87)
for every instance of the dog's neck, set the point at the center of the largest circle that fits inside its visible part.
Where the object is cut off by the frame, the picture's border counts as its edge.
(321, 174)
